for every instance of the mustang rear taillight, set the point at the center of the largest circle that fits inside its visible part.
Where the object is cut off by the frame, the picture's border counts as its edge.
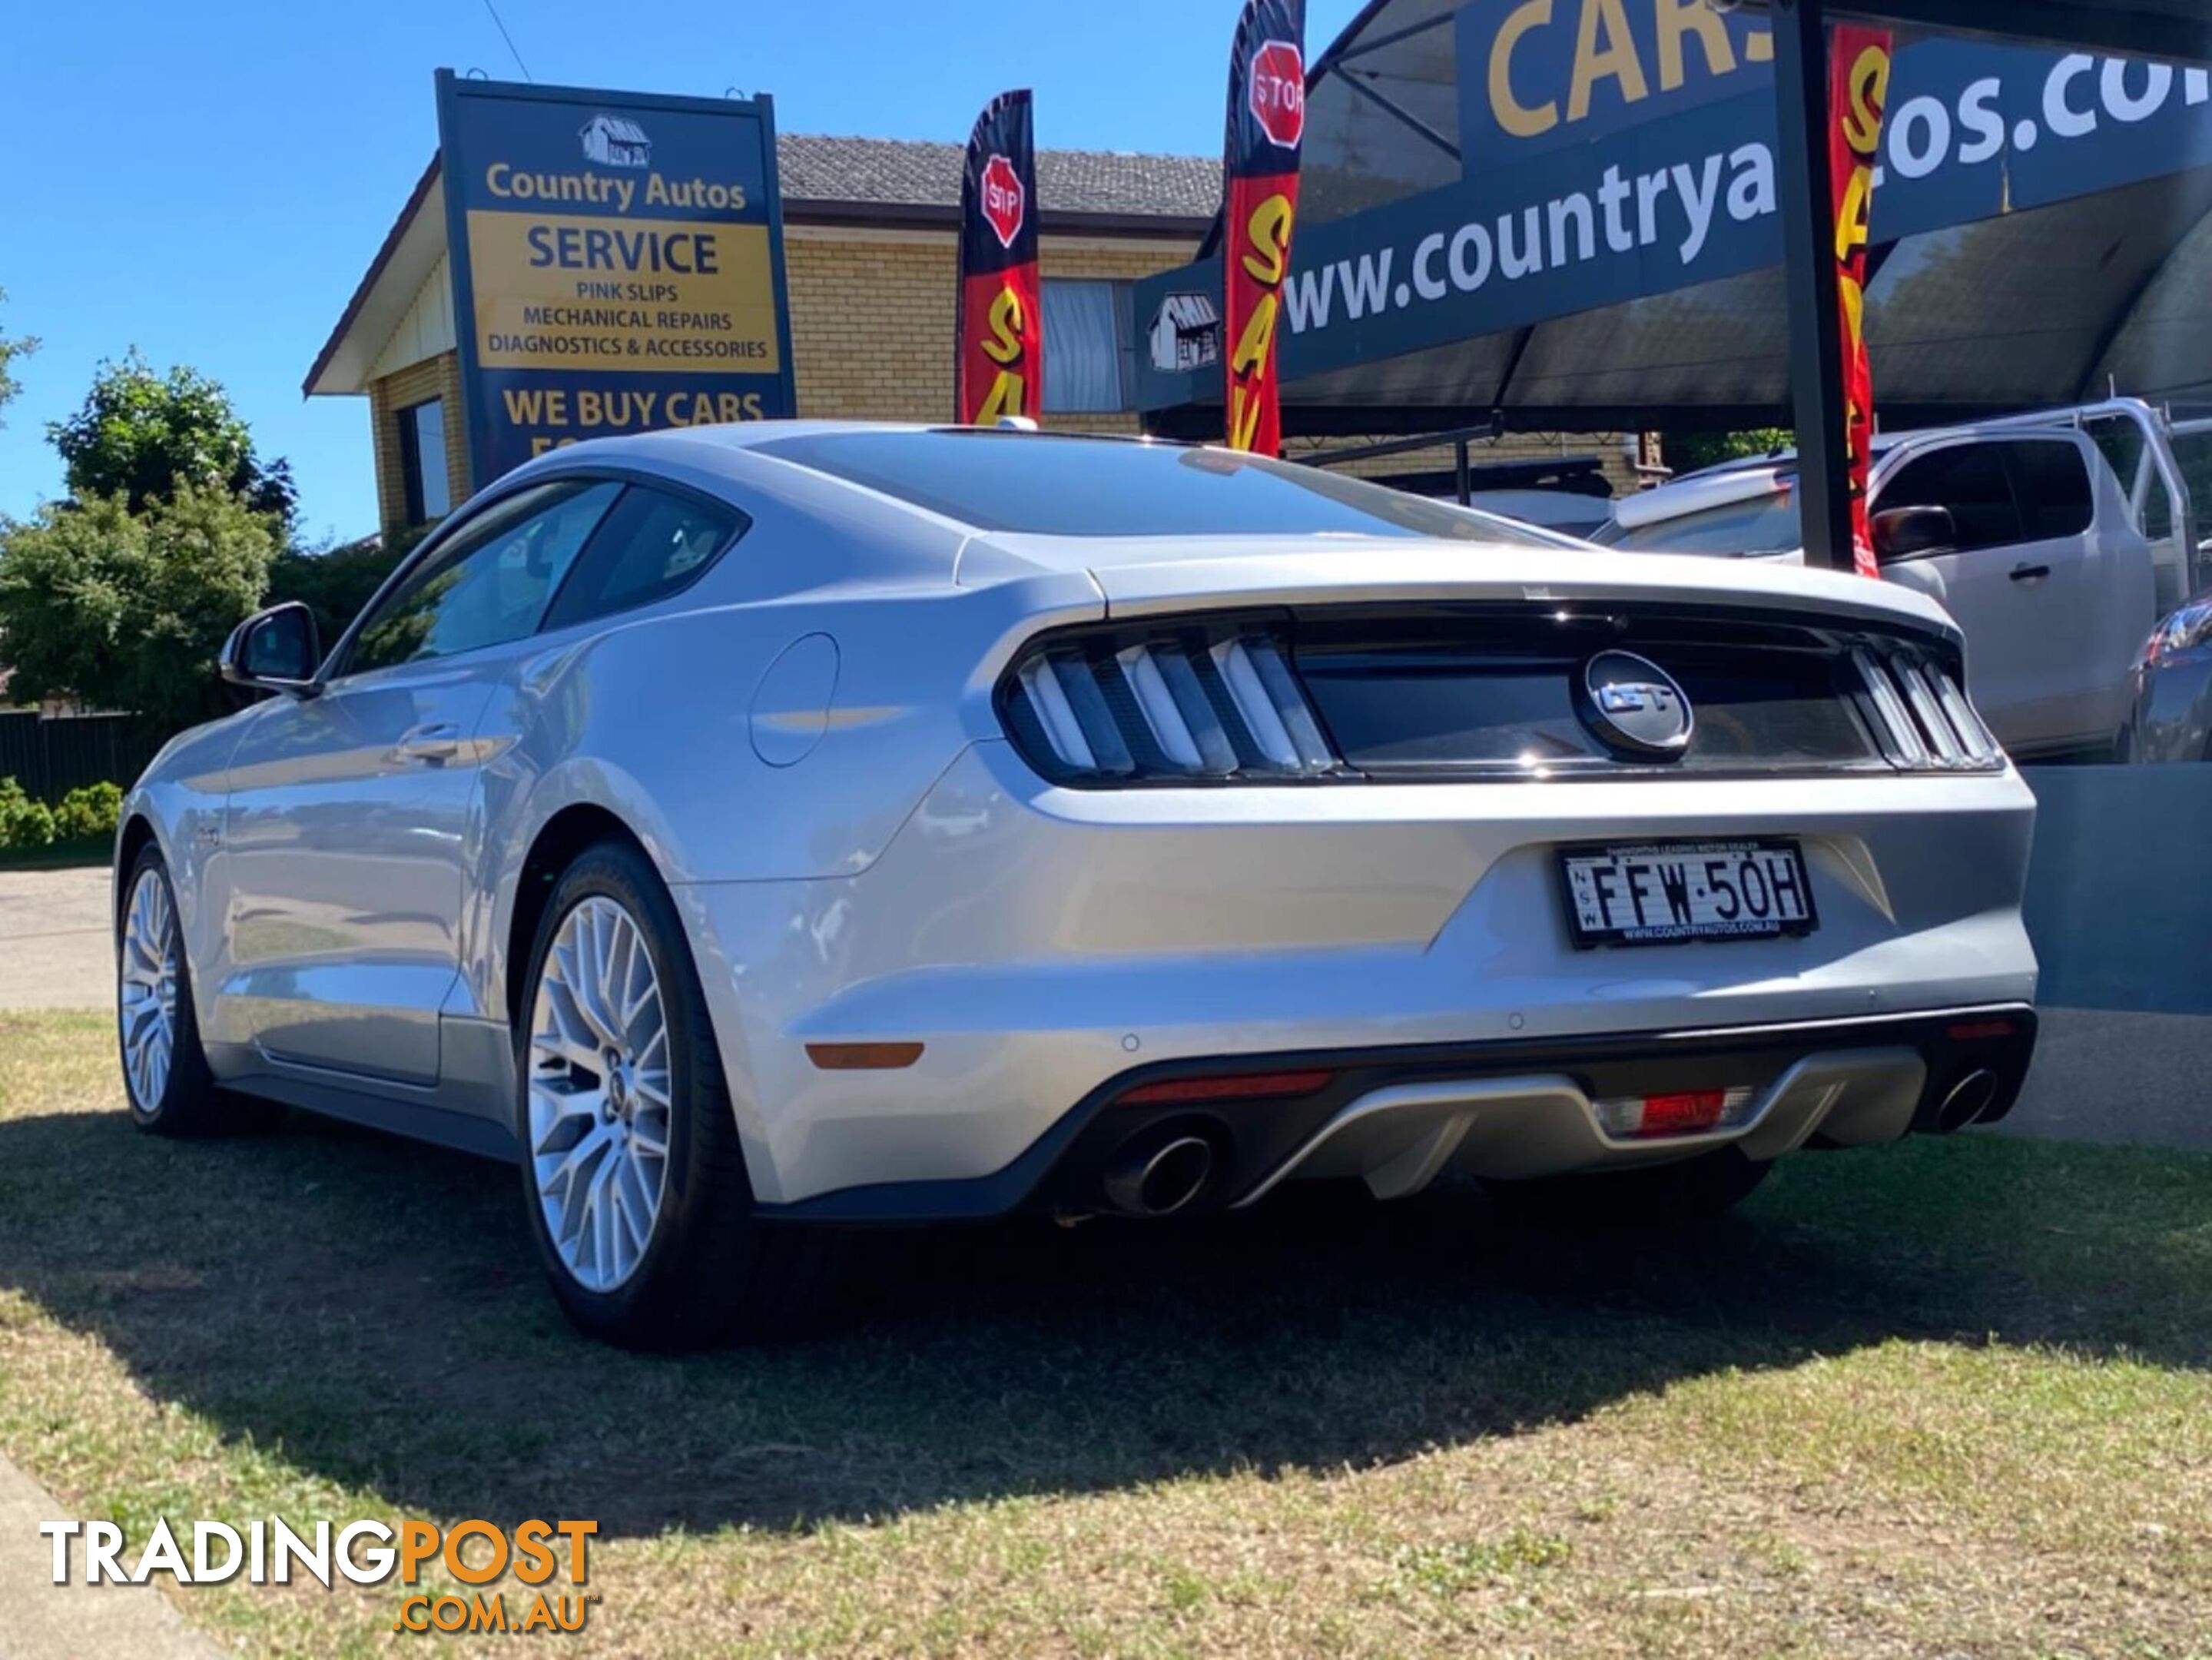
(1186, 700)
(1685, 1112)
(1922, 717)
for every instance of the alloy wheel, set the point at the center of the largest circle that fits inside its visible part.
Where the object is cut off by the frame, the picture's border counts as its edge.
(146, 996)
(599, 1093)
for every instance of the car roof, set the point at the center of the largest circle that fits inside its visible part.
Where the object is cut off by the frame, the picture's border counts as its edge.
(1524, 559)
(773, 455)
(750, 435)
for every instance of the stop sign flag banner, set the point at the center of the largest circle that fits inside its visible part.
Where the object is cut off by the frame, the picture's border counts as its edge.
(1259, 201)
(998, 367)
(1858, 87)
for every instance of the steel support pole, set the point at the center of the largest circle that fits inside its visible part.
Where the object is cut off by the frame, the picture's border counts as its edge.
(1809, 272)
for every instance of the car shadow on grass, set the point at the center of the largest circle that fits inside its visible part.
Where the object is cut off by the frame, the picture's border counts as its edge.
(372, 1309)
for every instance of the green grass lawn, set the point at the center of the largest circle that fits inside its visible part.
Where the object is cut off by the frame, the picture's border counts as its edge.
(1949, 1398)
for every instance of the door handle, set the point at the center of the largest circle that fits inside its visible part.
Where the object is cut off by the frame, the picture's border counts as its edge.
(2030, 572)
(438, 742)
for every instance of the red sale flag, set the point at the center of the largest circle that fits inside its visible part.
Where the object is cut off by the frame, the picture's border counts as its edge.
(1259, 204)
(999, 350)
(1858, 87)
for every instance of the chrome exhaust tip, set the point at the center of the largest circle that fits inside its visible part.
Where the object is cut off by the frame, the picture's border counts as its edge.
(1159, 1180)
(1969, 1098)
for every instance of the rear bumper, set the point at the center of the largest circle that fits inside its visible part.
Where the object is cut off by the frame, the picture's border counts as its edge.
(1037, 944)
(1398, 1118)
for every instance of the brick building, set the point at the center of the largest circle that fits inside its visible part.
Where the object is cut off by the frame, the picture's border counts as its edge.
(871, 228)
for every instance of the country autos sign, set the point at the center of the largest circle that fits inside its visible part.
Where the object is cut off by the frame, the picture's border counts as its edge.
(617, 264)
(1613, 150)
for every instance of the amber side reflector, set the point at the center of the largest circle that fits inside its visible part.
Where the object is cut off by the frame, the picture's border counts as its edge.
(1244, 1086)
(863, 1057)
(1978, 1031)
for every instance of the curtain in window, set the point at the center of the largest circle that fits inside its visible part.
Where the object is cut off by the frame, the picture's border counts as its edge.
(1083, 353)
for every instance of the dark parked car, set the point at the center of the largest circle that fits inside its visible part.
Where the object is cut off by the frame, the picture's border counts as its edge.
(2172, 715)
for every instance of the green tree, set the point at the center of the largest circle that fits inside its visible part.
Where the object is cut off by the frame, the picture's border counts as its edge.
(127, 611)
(1686, 452)
(335, 582)
(20, 346)
(144, 436)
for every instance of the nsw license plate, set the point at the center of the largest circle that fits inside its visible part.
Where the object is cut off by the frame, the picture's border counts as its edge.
(1658, 893)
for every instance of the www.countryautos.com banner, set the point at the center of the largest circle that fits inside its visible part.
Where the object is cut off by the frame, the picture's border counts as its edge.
(617, 264)
(1608, 151)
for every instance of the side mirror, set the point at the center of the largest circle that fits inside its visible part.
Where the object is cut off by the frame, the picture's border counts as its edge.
(275, 650)
(1903, 532)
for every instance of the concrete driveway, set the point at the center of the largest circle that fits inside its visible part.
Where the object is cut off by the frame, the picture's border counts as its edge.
(57, 945)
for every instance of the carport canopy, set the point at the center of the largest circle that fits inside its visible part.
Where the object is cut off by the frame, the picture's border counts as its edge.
(2015, 278)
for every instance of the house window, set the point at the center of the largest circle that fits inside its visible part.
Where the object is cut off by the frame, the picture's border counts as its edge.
(422, 461)
(1089, 367)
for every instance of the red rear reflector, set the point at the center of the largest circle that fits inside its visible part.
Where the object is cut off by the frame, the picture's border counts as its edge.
(1976, 1031)
(1243, 1087)
(863, 1057)
(1672, 1114)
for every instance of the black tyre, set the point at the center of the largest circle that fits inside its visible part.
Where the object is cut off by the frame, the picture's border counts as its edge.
(1659, 1197)
(632, 1174)
(166, 1079)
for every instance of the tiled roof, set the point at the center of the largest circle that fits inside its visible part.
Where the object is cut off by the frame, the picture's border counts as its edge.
(909, 173)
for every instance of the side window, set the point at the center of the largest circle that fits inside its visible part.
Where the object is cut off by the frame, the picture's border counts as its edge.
(2053, 485)
(1765, 524)
(490, 583)
(1970, 480)
(653, 542)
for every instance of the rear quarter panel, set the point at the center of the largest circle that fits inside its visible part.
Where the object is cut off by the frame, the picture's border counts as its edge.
(690, 724)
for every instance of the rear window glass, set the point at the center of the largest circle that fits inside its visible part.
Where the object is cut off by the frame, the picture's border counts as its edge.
(1765, 524)
(1030, 484)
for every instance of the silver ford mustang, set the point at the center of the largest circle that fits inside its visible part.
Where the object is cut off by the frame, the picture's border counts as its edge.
(758, 830)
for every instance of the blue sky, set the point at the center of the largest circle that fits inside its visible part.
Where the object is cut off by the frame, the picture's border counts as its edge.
(212, 179)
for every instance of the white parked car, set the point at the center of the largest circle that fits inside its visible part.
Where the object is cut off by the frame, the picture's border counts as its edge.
(762, 829)
(2020, 528)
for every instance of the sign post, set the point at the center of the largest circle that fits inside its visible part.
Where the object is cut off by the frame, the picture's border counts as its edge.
(1816, 358)
(617, 264)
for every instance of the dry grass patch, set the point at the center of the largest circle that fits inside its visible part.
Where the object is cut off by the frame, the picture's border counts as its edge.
(1952, 1397)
